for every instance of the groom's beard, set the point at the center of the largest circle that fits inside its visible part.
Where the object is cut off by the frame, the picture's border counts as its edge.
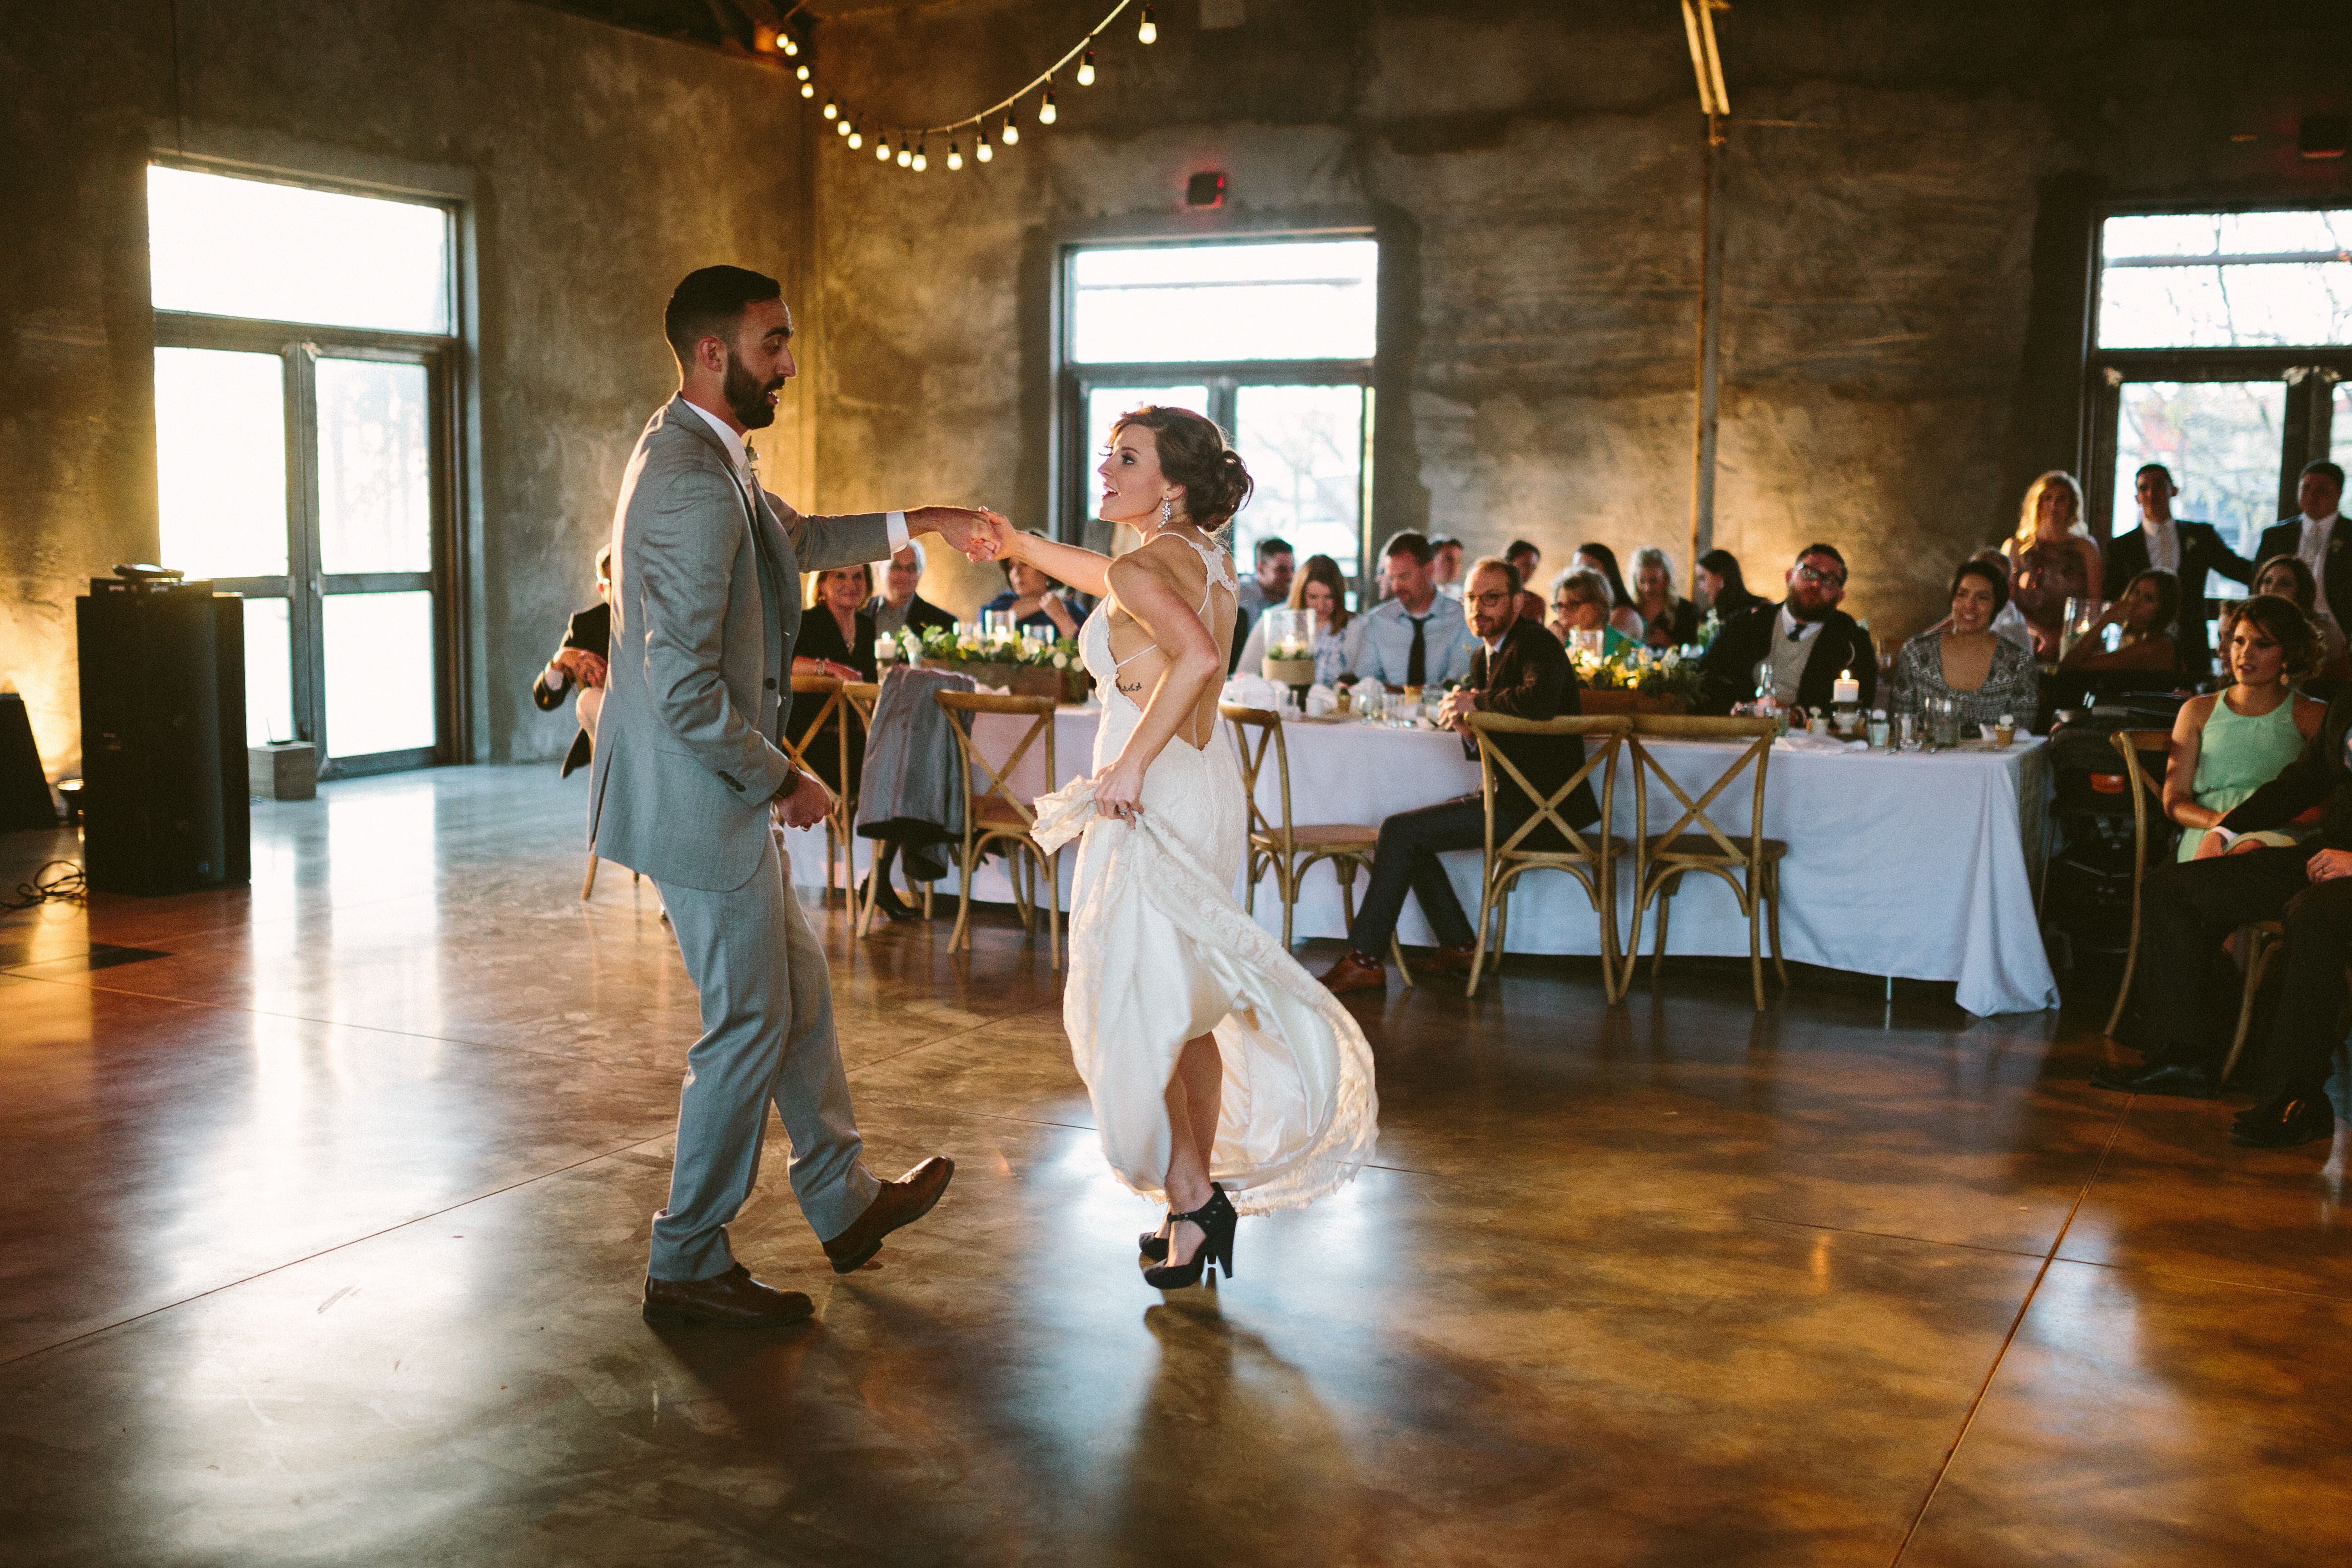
(747, 395)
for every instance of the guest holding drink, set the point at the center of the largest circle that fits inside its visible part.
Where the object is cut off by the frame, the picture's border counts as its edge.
(1668, 620)
(1037, 608)
(1597, 557)
(1986, 674)
(1321, 588)
(1579, 603)
(2052, 558)
(2227, 745)
(2146, 612)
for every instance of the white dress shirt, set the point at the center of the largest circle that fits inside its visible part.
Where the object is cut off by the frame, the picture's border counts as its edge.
(2163, 544)
(2312, 548)
(746, 474)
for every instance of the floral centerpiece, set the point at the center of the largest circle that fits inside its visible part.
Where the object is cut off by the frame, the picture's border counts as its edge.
(1638, 680)
(1025, 664)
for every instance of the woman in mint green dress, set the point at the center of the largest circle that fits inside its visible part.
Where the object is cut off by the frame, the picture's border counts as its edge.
(2227, 745)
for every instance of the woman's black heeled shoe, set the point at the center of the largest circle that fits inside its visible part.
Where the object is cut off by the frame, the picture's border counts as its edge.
(1216, 1219)
(1153, 1245)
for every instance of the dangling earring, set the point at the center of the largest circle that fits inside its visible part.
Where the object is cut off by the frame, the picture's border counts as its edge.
(1167, 511)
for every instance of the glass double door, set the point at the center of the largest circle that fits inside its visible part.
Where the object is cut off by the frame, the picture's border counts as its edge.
(1305, 445)
(309, 478)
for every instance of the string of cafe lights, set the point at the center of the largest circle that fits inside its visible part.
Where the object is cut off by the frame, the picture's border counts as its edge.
(913, 152)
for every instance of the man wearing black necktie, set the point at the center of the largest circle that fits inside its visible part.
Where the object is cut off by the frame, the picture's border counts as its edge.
(1414, 637)
(1519, 669)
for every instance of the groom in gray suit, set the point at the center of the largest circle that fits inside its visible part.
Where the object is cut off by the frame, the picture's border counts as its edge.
(688, 779)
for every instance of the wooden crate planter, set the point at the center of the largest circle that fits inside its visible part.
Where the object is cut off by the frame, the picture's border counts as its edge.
(1596, 701)
(1021, 680)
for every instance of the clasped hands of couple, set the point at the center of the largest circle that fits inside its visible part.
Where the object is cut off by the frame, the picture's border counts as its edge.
(803, 800)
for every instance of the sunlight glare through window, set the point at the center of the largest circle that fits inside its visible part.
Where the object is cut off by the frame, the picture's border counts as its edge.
(1303, 299)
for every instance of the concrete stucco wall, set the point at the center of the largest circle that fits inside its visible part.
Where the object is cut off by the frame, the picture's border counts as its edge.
(596, 167)
(1537, 167)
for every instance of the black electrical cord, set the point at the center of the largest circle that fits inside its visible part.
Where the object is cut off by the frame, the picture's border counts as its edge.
(58, 882)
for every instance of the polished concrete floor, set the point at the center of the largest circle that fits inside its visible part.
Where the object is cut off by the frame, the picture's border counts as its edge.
(326, 1206)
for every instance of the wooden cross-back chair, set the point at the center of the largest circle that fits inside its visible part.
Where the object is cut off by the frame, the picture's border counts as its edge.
(1547, 840)
(2259, 944)
(1289, 848)
(1748, 863)
(997, 815)
(835, 710)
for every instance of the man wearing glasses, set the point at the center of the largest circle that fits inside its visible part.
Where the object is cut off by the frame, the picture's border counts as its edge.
(1809, 640)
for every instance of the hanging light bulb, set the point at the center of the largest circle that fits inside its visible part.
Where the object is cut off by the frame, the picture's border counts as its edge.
(841, 126)
(955, 156)
(1147, 31)
(1045, 111)
(1011, 132)
(790, 47)
(882, 148)
(831, 109)
(982, 149)
(856, 138)
(803, 72)
(1087, 68)
(906, 156)
(922, 162)
(808, 89)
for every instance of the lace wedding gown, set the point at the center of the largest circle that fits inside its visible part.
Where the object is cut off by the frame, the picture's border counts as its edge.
(1160, 953)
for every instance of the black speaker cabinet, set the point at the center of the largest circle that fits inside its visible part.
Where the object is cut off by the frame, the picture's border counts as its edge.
(162, 738)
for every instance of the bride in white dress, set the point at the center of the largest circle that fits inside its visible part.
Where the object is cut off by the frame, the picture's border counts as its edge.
(1225, 1078)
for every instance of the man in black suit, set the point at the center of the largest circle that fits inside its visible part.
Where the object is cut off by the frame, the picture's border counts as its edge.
(1519, 669)
(580, 661)
(1809, 639)
(2189, 909)
(2316, 535)
(2187, 549)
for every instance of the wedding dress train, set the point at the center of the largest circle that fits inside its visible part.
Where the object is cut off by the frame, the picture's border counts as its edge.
(1161, 952)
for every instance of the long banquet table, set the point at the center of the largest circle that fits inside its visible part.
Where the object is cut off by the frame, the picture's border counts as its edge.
(1918, 867)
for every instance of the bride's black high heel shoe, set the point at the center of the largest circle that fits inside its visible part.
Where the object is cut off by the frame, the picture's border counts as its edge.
(1216, 1219)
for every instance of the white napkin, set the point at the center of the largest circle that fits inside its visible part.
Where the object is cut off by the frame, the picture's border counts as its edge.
(1320, 699)
(1806, 741)
(1253, 691)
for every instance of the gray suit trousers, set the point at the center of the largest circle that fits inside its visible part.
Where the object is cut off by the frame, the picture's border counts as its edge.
(767, 1037)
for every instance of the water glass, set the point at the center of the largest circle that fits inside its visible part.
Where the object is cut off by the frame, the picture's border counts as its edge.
(1944, 720)
(2081, 615)
(1591, 643)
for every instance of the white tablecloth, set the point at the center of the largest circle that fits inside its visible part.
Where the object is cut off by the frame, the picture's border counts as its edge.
(1919, 867)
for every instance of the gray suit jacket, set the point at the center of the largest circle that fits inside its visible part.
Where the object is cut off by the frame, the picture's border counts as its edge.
(706, 608)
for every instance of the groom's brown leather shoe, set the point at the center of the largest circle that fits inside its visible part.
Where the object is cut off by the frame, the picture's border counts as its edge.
(1356, 972)
(733, 1299)
(902, 1202)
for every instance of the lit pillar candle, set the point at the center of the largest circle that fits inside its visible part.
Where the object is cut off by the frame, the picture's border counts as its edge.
(1847, 692)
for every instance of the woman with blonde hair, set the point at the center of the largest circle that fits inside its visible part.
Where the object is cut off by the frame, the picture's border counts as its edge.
(2052, 557)
(1668, 620)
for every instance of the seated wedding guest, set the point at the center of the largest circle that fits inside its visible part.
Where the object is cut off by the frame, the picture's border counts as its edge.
(1991, 676)
(1270, 583)
(1523, 558)
(1447, 569)
(2187, 549)
(1808, 639)
(2007, 622)
(1517, 669)
(1579, 603)
(2184, 1007)
(2287, 577)
(1599, 557)
(1719, 586)
(2052, 558)
(1320, 588)
(837, 639)
(899, 607)
(1668, 620)
(1038, 607)
(580, 661)
(2146, 612)
(1412, 638)
(2229, 744)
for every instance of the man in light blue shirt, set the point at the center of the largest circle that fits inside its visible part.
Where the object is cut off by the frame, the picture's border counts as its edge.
(1416, 637)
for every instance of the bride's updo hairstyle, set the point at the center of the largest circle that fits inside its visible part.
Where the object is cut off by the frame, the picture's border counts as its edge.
(1194, 453)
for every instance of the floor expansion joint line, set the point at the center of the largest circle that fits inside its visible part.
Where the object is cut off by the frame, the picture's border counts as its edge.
(324, 1251)
(1889, 1235)
(2015, 1323)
